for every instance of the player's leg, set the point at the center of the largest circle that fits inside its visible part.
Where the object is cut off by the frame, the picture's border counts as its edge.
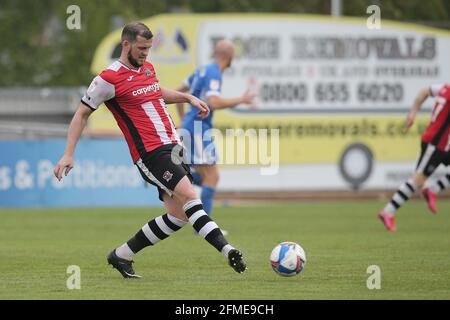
(430, 192)
(210, 178)
(196, 177)
(192, 145)
(202, 155)
(204, 225)
(403, 194)
(151, 233)
(428, 161)
(442, 184)
(166, 169)
(155, 230)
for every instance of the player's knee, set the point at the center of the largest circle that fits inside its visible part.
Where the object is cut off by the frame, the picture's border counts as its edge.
(186, 194)
(190, 196)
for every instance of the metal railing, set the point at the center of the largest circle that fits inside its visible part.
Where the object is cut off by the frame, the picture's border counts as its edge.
(11, 130)
(39, 101)
(37, 113)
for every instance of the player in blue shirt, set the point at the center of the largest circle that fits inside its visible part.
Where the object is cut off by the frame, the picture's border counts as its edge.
(205, 83)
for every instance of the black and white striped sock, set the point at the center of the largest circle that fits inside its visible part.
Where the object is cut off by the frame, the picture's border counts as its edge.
(151, 233)
(442, 184)
(404, 192)
(205, 226)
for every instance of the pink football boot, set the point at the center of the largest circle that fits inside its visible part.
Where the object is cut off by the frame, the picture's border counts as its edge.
(388, 221)
(431, 198)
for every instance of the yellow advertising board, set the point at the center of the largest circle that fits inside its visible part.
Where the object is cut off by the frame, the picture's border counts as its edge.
(324, 83)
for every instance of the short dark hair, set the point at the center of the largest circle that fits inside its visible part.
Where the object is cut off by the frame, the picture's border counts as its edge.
(134, 29)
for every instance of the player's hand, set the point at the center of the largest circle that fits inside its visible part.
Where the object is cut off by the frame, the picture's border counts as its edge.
(248, 96)
(409, 121)
(63, 166)
(201, 105)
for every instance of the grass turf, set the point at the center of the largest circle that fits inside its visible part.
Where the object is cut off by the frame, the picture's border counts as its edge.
(341, 240)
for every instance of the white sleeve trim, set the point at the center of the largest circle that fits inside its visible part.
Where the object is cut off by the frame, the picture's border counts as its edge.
(212, 93)
(98, 92)
(435, 88)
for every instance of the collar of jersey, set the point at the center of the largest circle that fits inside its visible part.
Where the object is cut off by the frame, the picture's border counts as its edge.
(138, 70)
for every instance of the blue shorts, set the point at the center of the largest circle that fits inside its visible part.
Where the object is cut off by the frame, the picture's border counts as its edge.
(199, 150)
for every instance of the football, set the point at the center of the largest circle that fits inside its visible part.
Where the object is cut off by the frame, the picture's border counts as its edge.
(288, 259)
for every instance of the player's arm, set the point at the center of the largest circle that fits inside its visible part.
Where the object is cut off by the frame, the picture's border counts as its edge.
(418, 102)
(173, 96)
(98, 92)
(216, 102)
(78, 123)
(213, 94)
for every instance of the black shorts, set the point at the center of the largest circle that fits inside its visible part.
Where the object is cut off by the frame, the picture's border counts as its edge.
(430, 158)
(164, 167)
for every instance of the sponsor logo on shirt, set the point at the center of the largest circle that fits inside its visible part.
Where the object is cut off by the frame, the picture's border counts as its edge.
(214, 85)
(154, 87)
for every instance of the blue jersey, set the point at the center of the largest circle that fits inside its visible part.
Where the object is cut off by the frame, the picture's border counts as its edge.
(200, 149)
(204, 82)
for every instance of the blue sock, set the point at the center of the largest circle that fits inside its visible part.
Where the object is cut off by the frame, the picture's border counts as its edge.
(207, 198)
(197, 179)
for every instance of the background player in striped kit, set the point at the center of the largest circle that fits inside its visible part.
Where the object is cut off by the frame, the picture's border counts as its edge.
(206, 83)
(435, 148)
(131, 91)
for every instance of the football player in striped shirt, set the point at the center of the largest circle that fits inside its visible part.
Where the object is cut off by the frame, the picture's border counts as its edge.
(131, 91)
(434, 149)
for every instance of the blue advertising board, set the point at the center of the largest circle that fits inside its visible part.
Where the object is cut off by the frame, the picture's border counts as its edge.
(104, 175)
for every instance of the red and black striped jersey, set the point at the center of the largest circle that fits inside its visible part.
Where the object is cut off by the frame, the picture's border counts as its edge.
(134, 97)
(438, 131)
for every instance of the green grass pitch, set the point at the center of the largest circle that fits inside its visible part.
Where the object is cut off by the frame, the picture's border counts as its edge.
(341, 240)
